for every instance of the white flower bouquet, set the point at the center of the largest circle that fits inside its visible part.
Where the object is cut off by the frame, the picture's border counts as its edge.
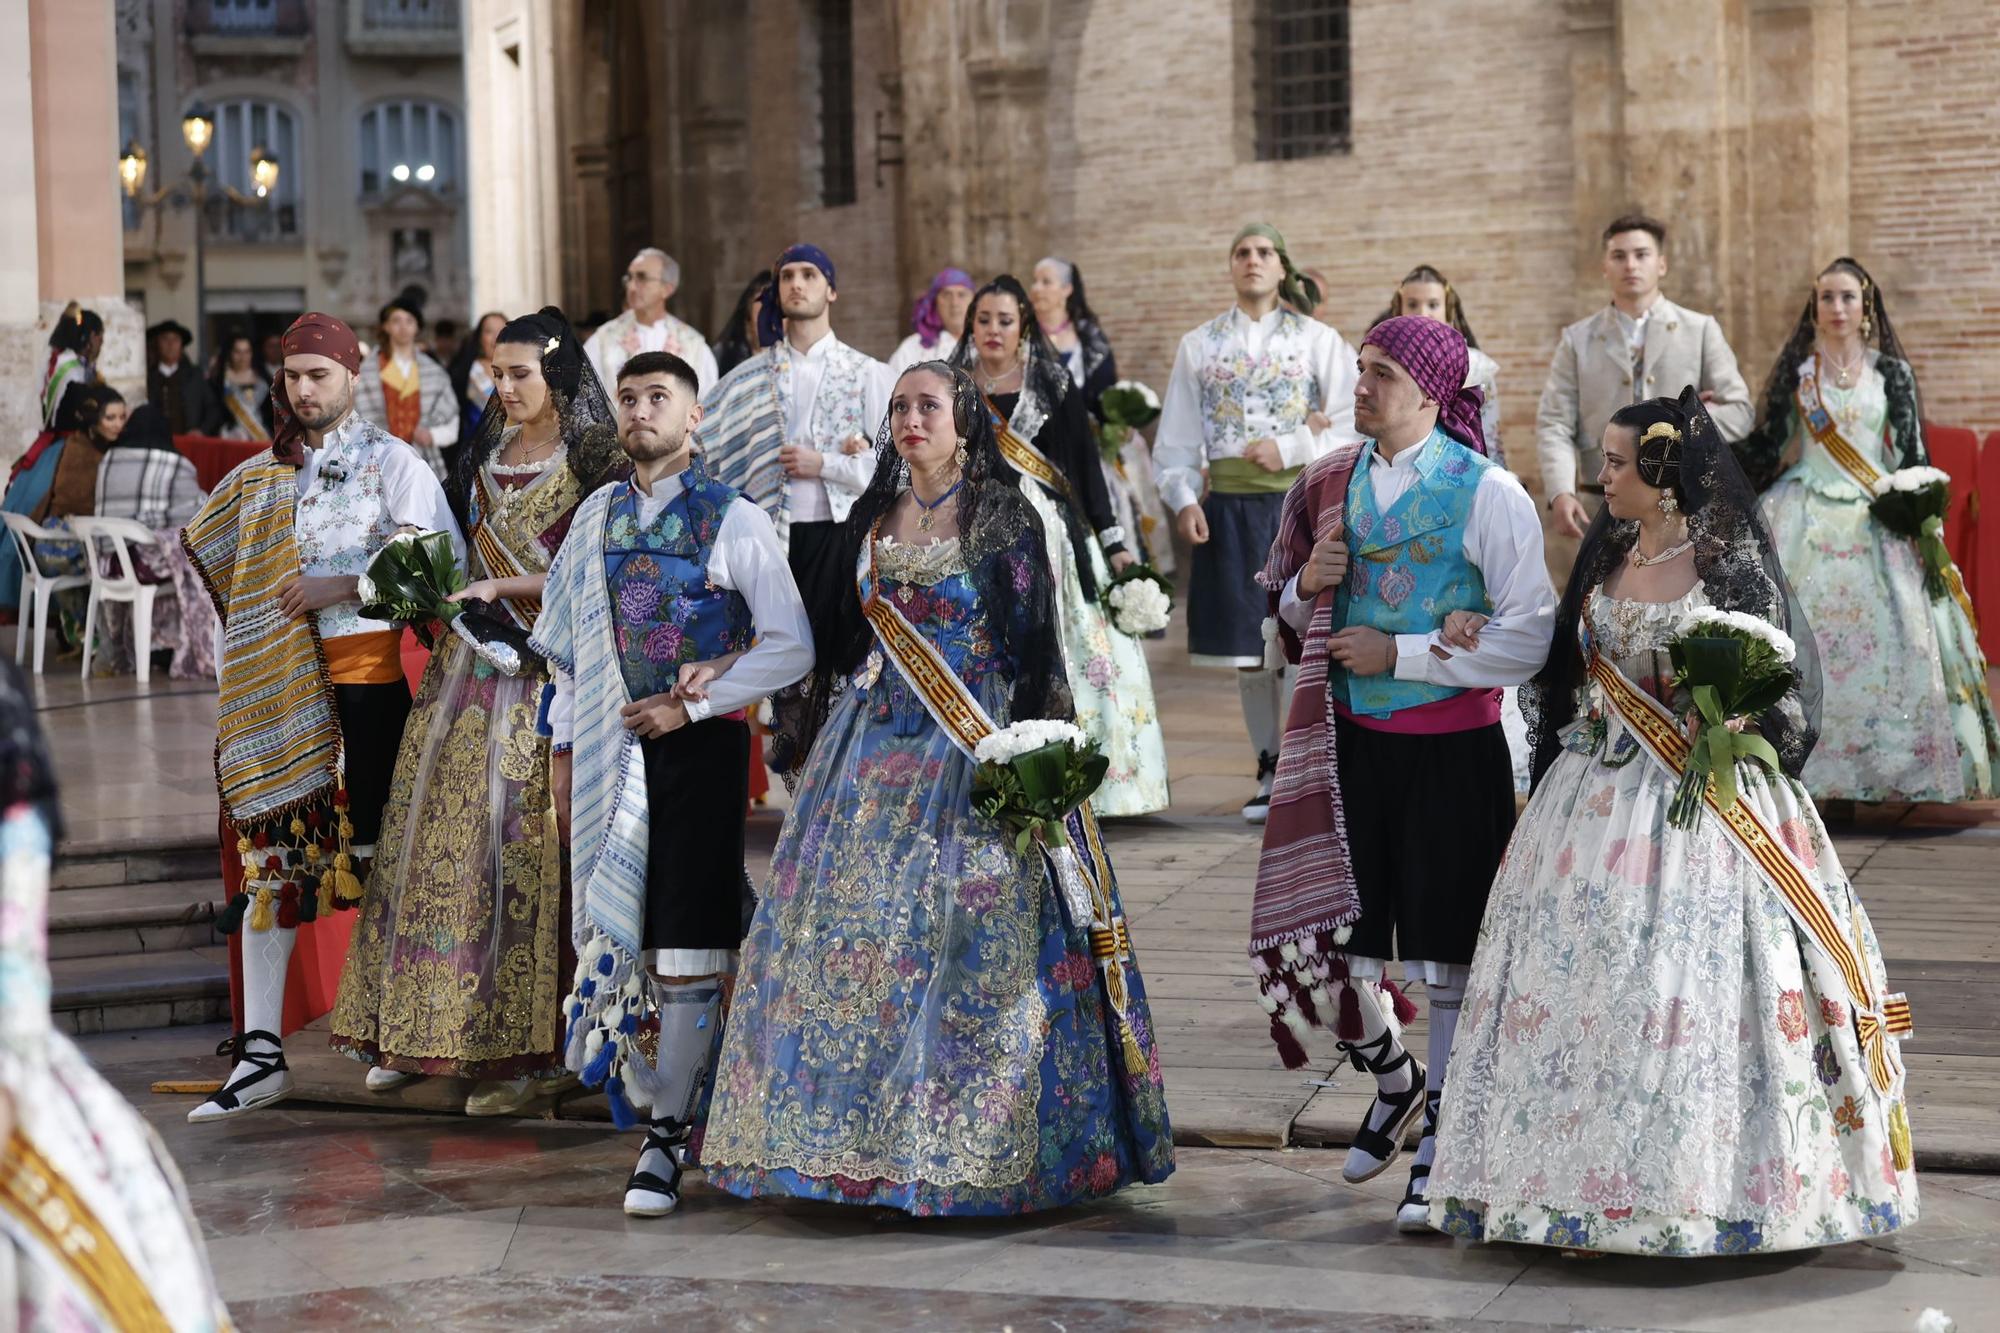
(1911, 503)
(1032, 774)
(1139, 600)
(1737, 667)
(1125, 407)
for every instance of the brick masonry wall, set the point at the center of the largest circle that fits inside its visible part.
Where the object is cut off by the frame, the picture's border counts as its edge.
(1461, 160)
(1924, 78)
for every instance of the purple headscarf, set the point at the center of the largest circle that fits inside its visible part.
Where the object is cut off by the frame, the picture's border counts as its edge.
(924, 316)
(771, 318)
(1434, 355)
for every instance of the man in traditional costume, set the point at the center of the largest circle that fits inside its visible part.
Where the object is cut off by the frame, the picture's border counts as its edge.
(1397, 860)
(791, 427)
(1255, 394)
(312, 693)
(404, 390)
(174, 383)
(669, 609)
(651, 280)
(1639, 346)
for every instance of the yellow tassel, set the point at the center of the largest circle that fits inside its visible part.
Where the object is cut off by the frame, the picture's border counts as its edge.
(298, 827)
(312, 853)
(326, 895)
(345, 886)
(243, 847)
(346, 830)
(260, 915)
(1900, 1148)
(1135, 1059)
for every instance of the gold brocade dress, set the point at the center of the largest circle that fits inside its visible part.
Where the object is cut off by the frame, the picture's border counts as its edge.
(457, 965)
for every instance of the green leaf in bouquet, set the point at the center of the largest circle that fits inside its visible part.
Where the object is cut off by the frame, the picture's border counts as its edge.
(1762, 695)
(1707, 661)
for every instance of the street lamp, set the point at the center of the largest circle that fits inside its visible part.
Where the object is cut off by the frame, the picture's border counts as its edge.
(192, 191)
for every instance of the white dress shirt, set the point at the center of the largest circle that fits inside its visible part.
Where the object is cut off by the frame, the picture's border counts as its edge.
(807, 495)
(1503, 541)
(1187, 440)
(747, 559)
(912, 350)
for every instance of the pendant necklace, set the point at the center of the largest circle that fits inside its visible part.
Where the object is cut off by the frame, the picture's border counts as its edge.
(1843, 375)
(1641, 561)
(927, 519)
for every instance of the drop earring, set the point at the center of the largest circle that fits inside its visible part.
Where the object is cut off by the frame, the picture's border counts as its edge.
(1668, 505)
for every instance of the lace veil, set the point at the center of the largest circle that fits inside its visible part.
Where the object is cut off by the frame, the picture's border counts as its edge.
(589, 430)
(995, 522)
(1734, 558)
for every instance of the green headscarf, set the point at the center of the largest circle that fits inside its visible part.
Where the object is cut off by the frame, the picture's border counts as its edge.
(1295, 289)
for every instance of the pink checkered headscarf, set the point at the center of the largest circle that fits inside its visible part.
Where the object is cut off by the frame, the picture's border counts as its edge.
(1434, 355)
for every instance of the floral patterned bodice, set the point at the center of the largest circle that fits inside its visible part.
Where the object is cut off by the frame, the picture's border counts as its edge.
(1633, 635)
(1276, 386)
(931, 585)
(1862, 414)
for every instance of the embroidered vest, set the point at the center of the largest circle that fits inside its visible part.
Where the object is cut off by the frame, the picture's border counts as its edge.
(665, 613)
(1276, 385)
(1408, 568)
(343, 520)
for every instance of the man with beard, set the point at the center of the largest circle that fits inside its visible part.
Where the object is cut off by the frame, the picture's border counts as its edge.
(669, 609)
(312, 693)
(792, 427)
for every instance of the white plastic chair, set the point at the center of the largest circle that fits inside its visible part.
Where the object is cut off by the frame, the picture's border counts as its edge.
(124, 586)
(37, 588)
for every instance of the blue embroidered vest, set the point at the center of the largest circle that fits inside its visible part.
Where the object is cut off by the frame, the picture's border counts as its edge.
(1407, 568)
(664, 611)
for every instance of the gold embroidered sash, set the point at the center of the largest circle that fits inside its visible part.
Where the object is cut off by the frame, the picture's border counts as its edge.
(1024, 457)
(953, 708)
(59, 1221)
(1820, 423)
(247, 420)
(1876, 1019)
(499, 561)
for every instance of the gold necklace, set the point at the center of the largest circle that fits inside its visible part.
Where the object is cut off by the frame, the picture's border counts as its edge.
(1641, 561)
(1843, 375)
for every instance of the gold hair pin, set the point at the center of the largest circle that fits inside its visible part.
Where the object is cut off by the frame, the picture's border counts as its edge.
(551, 345)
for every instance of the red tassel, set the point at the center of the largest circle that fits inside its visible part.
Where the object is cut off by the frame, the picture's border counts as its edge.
(288, 914)
(1399, 1002)
(1340, 972)
(1302, 996)
(1289, 1050)
(1348, 1027)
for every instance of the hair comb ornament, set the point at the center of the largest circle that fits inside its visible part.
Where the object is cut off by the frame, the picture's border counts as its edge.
(551, 345)
(1661, 430)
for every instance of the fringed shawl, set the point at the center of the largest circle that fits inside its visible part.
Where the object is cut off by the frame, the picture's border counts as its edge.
(608, 817)
(1306, 902)
(742, 428)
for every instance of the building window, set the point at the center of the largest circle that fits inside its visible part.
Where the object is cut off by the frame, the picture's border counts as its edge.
(408, 143)
(1301, 78)
(835, 27)
(244, 129)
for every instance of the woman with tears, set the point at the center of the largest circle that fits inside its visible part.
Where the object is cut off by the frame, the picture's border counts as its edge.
(919, 1022)
(1675, 1041)
(1043, 434)
(457, 965)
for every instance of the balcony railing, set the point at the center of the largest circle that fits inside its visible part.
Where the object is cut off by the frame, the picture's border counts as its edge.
(247, 18)
(411, 16)
(403, 28)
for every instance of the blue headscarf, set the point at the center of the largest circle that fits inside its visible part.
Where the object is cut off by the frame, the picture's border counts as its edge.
(771, 318)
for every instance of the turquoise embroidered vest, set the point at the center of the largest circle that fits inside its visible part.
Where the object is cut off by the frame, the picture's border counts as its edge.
(665, 613)
(1407, 568)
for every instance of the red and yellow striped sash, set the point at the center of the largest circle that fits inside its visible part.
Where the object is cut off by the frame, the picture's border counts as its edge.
(1875, 1019)
(64, 1226)
(499, 561)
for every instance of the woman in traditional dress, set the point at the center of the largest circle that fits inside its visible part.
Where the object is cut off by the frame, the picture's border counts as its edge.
(403, 389)
(472, 373)
(1425, 291)
(737, 341)
(1674, 1041)
(919, 1022)
(456, 966)
(935, 321)
(1045, 436)
(75, 343)
(56, 479)
(144, 478)
(95, 1228)
(241, 392)
(1908, 714)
